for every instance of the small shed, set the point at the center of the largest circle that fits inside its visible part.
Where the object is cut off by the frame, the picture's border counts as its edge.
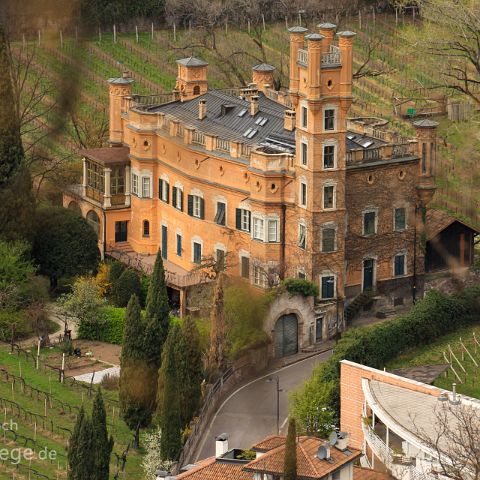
(450, 242)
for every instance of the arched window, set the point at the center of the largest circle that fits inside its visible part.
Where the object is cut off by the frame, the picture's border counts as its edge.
(196, 90)
(75, 207)
(146, 228)
(94, 221)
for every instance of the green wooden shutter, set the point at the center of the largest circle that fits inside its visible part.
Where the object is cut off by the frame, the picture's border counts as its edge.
(202, 208)
(238, 218)
(160, 188)
(174, 197)
(190, 205)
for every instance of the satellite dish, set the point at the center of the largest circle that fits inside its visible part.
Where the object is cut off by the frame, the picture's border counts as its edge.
(332, 439)
(322, 452)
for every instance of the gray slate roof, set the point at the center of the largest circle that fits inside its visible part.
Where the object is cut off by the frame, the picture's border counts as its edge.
(120, 81)
(327, 26)
(263, 67)
(223, 117)
(192, 62)
(425, 123)
(297, 29)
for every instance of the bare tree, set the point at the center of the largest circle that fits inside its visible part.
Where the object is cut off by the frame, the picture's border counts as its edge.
(370, 67)
(451, 34)
(454, 437)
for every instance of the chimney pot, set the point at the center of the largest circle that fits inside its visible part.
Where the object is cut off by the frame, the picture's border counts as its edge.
(202, 109)
(289, 120)
(254, 106)
(221, 445)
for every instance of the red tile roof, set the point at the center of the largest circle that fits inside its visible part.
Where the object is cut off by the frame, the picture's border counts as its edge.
(360, 473)
(308, 464)
(107, 155)
(268, 443)
(212, 469)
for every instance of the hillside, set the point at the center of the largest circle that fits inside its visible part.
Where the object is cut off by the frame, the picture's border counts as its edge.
(231, 52)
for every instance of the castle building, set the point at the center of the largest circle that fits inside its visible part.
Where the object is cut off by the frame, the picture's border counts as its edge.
(274, 184)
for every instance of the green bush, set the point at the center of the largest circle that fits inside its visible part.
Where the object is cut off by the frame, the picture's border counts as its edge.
(301, 287)
(114, 326)
(116, 269)
(127, 285)
(375, 345)
(245, 310)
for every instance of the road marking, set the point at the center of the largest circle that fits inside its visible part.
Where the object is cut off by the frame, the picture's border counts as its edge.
(202, 444)
(284, 423)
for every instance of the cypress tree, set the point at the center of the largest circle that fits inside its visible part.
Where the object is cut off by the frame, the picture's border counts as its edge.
(192, 374)
(157, 320)
(73, 443)
(170, 419)
(83, 468)
(157, 313)
(290, 463)
(102, 444)
(136, 402)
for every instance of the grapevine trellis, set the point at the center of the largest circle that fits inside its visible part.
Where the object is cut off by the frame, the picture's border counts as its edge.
(458, 360)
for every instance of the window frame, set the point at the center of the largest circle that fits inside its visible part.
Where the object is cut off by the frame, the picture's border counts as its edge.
(255, 234)
(163, 190)
(303, 193)
(322, 240)
(333, 186)
(200, 244)
(303, 116)
(375, 222)
(146, 180)
(145, 229)
(242, 265)
(404, 264)
(395, 228)
(178, 236)
(333, 146)
(219, 219)
(135, 184)
(276, 237)
(333, 119)
(302, 226)
(325, 276)
(304, 153)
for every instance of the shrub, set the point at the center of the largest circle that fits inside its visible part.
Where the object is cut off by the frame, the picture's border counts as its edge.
(102, 279)
(114, 271)
(127, 285)
(375, 345)
(114, 325)
(245, 310)
(110, 381)
(301, 287)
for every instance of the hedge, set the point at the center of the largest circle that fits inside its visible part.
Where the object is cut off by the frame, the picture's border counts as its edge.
(434, 316)
(301, 286)
(111, 331)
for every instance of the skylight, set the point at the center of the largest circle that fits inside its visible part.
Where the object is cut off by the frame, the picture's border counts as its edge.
(263, 122)
(247, 133)
(367, 144)
(242, 112)
(252, 134)
(350, 137)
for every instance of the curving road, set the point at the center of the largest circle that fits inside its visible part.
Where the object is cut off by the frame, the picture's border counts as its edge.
(250, 413)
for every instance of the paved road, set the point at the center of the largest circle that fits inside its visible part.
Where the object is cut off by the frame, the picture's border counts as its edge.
(250, 413)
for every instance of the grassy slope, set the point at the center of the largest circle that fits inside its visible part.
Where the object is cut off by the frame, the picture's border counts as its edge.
(57, 441)
(432, 355)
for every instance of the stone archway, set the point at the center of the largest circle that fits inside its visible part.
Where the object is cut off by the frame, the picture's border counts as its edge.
(74, 206)
(94, 221)
(286, 335)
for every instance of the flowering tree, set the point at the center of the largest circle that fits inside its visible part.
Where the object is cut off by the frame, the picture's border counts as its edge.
(152, 461)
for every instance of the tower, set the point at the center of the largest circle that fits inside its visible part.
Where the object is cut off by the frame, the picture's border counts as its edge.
(191, 78)
(119, 90)
(262, 76)
(321, 92)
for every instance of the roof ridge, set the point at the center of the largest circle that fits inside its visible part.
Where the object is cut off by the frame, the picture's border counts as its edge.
(306, 455)
(204, 464)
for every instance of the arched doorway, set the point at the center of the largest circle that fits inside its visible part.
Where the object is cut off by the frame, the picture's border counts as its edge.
(286, 335)
(75, 207)
(94, 221)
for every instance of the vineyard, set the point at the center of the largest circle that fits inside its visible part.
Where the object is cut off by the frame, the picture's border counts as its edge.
(231, 52)
(38, 413)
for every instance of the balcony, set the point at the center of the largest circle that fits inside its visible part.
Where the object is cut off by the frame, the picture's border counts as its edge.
(399, 464)
(302, 57)
(331, 58)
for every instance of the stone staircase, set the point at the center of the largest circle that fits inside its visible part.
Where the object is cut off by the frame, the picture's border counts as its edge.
(360, 301)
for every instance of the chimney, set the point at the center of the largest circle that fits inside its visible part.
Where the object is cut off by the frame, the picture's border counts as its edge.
(289, 120)
(254, 107)
(327, 30)
(202, 109)
(221, 445)
(342, 441)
